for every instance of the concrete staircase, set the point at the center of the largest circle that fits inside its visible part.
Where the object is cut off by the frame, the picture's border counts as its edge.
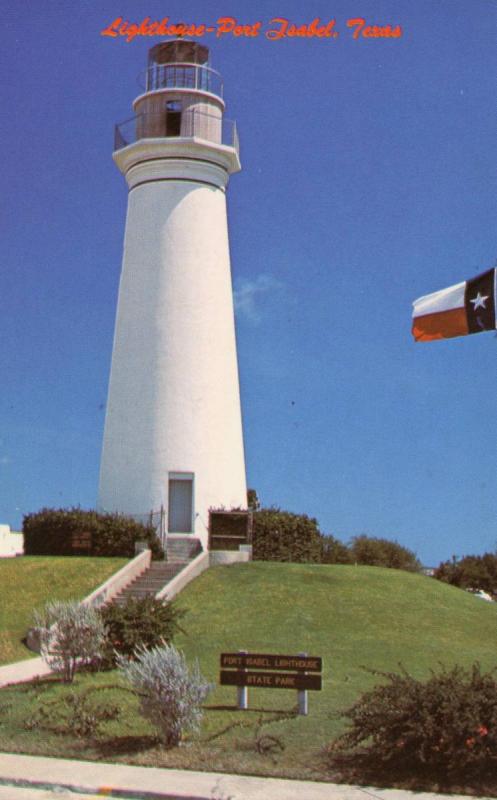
(182, 549)
(179, 553)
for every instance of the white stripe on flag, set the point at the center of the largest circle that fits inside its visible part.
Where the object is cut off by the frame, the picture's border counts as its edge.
(444, 300)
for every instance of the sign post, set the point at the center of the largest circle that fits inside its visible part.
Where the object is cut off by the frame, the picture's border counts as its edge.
(242, 691)
(302, 697)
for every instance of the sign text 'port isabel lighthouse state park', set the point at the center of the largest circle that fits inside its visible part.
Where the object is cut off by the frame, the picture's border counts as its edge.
(236, 670)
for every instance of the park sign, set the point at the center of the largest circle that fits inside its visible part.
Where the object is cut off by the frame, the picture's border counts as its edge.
(259, 670)
(267, 661)
(271, 680)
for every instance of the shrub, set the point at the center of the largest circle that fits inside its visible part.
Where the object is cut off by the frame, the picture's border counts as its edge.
(76, 714)
(470, 572)
(445, 727)
(382, 553)
(71, 636)
(144, 622)
(282, 536)
(170, 694)
(74, 531)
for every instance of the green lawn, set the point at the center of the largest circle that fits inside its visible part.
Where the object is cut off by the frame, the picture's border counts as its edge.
(28, 582)
(351, 616)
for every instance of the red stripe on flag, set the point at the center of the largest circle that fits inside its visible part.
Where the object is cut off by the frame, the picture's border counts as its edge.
(442, 325)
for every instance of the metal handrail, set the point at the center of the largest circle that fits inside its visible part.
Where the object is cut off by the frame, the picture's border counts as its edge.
(182, 75)
(194, 124)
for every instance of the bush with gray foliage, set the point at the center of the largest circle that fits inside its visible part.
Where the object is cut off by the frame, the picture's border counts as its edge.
(170, 693)
(71, 636)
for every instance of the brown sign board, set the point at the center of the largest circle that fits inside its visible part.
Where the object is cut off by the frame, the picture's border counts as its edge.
(81, 540)
(271, 680)
(266, 661)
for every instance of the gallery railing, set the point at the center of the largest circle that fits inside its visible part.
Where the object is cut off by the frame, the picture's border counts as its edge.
(192, 123)
(182, 76)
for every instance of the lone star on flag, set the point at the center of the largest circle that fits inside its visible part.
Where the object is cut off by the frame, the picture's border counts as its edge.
(479, 301)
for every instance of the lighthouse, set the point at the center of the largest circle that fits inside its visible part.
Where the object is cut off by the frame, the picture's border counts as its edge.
(173, 429)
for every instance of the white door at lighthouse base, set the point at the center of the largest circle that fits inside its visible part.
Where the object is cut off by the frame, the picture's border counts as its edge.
(180, 502)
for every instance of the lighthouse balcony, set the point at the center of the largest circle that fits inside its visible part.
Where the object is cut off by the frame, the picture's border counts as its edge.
(182, 76)
(189, 124)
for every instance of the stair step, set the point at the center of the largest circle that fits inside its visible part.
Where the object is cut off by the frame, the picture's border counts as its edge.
(188, 547)
(149, 587)
(144, 586)
(170, 565)
(160, 573)
(157, 576)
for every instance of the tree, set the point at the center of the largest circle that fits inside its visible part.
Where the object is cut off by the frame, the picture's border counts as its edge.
(333, 551)
(378, 552)
(470, 572)
(253, 502)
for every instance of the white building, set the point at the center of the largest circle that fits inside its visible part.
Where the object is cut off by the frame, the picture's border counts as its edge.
(11, 544)
(173, 432)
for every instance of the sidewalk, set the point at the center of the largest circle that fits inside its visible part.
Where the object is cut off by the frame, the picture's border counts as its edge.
(149, 783)
(23, 671)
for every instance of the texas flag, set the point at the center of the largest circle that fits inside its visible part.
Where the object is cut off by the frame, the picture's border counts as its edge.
(467, 307)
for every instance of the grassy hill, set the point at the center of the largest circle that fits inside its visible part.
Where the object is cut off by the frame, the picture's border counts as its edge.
(351, 616)
(28, 582)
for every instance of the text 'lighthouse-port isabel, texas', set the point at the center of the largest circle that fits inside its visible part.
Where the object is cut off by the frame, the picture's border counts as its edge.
(173, 431)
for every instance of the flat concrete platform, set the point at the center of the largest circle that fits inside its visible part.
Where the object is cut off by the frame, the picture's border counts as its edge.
(32, 776)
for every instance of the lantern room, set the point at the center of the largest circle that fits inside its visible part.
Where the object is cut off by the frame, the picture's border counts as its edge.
(183, 98)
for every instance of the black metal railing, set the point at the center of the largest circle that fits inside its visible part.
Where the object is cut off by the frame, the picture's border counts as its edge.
(192, 124)
(182, 76)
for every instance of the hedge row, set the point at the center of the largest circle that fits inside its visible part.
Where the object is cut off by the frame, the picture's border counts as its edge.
(72, 531)
(276, 536)
(282, 536)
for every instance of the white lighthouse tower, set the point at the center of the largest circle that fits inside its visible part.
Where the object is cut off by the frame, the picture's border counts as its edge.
(173, 432)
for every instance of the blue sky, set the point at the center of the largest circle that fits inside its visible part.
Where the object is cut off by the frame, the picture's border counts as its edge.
(368, 180)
